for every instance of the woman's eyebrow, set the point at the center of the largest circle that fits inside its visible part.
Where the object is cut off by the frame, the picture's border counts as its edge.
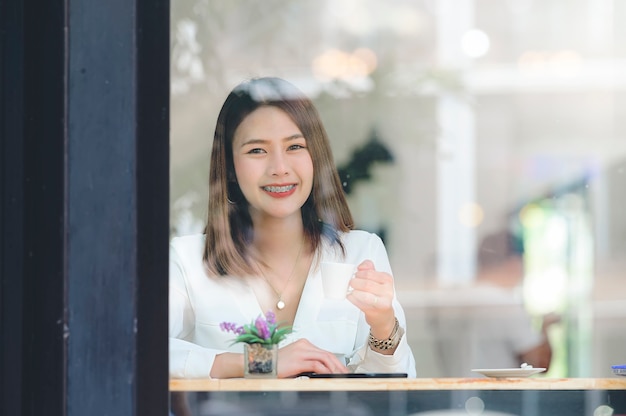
(294, 136)
(263, 141)
(253, 141)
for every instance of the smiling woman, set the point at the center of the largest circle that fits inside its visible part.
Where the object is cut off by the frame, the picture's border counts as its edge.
(276, 210)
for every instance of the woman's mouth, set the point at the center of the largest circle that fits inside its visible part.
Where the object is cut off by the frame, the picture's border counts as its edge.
(279, 191)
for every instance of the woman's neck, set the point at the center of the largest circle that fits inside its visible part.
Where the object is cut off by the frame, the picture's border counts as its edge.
(283, 259)
(277, 238)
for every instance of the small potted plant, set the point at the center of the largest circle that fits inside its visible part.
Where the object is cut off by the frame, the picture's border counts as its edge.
(260, 338)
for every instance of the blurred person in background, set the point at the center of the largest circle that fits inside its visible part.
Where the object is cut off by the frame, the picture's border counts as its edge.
(490, 328)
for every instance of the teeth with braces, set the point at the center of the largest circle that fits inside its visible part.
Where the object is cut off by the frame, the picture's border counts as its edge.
(278, 188)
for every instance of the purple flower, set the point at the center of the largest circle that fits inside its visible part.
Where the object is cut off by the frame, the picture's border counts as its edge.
(262, 330)
(261, 326)
(231, 327)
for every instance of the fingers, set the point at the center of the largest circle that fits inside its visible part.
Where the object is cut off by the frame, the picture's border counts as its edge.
(371, 288)
(373, 293)
(366, 265)
(366, 300)
(302, 356)
(364, 271)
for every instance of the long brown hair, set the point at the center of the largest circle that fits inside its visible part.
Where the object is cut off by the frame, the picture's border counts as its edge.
(229, 227)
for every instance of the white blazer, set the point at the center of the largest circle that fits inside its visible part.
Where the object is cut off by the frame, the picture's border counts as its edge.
(199, 303)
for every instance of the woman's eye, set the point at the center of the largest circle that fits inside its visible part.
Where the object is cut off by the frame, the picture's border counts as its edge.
(256, 150)
(296, 147)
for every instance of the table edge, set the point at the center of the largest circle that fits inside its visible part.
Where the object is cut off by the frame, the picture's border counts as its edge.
(301, 384)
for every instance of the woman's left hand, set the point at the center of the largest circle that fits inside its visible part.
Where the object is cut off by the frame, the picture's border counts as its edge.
(373, 293)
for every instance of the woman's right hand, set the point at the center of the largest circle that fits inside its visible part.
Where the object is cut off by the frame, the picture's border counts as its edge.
(302, 356)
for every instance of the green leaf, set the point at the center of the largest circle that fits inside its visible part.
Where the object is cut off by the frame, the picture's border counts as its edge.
(279, 334)
(251, 335)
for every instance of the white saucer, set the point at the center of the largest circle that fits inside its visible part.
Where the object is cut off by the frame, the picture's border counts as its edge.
(508, 372)
(619, 370)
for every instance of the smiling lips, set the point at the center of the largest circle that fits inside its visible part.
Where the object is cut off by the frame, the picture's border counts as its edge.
(279, 191)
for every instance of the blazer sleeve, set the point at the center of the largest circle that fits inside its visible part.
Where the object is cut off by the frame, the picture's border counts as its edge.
(186, 359)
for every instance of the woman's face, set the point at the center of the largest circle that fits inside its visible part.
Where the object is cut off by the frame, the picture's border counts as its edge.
(272, 163)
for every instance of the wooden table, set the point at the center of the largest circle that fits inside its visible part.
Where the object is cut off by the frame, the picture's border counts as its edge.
(385, 384)
(403, 397)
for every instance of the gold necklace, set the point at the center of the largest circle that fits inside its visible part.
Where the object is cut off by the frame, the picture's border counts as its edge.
(280, 304)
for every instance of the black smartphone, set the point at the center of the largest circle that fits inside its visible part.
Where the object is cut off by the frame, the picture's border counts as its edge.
(355, 375)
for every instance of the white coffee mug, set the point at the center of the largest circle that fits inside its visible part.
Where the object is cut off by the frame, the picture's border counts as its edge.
(336, 279)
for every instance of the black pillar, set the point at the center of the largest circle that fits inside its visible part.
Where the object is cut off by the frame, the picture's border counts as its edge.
(84, 212)
(11, 205)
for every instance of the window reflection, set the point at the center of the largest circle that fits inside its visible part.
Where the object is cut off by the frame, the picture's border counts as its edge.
(496, 115)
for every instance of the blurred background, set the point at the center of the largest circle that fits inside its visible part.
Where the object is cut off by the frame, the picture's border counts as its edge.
(483, 140)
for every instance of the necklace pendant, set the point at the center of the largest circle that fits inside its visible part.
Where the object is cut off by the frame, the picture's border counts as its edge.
(280, 304)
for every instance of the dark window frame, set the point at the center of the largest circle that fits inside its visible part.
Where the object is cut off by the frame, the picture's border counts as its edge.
(84, 211)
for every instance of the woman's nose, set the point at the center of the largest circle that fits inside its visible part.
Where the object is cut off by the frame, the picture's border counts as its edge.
(278, 165)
